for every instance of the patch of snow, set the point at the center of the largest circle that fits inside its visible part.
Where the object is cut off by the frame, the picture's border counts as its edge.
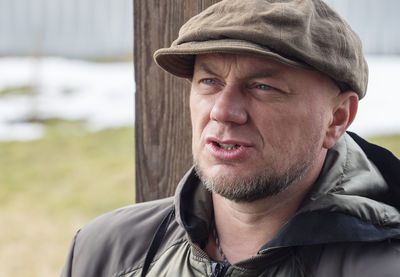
(379, 112)
(100, 93)
(21, 131)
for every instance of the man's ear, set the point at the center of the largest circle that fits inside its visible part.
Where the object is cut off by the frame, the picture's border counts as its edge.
(343, 113)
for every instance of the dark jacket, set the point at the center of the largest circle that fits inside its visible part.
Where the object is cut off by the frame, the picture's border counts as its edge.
(347, 226)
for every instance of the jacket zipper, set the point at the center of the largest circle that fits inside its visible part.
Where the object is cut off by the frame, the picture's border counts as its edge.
(218, 269)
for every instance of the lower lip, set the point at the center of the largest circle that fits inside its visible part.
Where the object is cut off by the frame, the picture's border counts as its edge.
(228, 155)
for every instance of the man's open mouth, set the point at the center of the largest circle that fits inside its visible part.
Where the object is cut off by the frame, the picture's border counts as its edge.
(227, 146)
(228, 150)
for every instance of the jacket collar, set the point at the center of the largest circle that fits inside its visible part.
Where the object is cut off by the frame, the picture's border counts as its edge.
(194, 208)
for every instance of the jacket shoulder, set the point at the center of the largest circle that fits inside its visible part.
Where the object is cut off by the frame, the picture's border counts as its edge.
(118, 241)
(368, 259)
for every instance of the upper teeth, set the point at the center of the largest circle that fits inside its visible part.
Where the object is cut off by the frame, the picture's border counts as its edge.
(228, 146)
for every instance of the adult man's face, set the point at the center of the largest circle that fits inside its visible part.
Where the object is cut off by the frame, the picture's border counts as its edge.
(258, 125)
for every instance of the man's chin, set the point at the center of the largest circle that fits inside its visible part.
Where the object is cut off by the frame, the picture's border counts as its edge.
(248, 187)
(238, 188)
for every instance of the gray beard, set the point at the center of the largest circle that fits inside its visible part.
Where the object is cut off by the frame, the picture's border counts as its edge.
(262, 185)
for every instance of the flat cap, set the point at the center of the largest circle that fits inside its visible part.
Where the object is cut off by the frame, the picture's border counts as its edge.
(301, 33)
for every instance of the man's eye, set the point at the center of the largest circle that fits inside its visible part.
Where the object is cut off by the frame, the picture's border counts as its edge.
(209, 81)
(264, 87)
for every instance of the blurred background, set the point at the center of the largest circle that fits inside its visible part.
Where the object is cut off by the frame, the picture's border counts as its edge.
(67, 116)
(66, 125)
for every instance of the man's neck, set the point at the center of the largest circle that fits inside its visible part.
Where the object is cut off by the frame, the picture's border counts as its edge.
(243, 228)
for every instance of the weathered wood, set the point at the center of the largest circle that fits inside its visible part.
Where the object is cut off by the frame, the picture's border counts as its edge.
(162, 128)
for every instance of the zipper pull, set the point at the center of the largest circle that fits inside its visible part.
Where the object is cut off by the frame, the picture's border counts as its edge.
(217, 269)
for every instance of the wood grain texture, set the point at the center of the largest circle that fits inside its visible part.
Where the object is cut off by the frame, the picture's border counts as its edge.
(162, 128)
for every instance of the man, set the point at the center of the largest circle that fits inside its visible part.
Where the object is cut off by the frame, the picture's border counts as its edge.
(278, 188)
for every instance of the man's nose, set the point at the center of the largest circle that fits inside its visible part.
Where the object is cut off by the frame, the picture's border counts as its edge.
(229, 106)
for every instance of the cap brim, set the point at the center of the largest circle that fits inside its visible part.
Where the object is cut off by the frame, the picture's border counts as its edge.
(179, 59)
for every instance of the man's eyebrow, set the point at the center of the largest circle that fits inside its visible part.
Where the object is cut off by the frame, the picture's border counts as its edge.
(204, 67)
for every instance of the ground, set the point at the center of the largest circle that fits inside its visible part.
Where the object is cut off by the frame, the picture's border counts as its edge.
(53, 186)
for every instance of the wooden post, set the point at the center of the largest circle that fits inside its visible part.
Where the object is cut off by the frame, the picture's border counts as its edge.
(162, 127)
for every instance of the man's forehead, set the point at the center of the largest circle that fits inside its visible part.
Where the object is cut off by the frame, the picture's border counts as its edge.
(253, 65)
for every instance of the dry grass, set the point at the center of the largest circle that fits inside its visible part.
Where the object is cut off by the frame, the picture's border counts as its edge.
(53, 186)
(33, 243)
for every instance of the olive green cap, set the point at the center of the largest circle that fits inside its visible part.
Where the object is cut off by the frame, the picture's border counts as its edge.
(301, 33)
